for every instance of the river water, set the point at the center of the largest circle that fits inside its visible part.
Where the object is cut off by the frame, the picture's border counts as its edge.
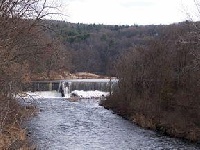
(84, 125)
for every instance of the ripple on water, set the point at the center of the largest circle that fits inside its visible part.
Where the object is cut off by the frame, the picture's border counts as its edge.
(83, 125)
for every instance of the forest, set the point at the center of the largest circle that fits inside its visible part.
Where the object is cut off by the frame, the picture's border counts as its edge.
(96, 48)
(157, 67)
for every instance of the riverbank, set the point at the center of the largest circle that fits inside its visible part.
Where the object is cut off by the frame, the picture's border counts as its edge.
(164, 122)
(66, 75)
(13, 135)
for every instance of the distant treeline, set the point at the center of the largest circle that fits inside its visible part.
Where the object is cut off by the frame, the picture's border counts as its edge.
(95, 48)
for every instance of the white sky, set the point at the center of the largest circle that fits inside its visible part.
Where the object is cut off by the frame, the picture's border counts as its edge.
(126, 12)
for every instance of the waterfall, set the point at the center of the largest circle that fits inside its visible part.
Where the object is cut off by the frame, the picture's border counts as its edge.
(104, 85)
(90, 86)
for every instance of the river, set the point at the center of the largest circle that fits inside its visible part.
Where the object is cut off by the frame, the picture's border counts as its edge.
(84, 125)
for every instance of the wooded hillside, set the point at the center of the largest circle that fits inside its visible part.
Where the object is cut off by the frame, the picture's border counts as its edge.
(95, 48)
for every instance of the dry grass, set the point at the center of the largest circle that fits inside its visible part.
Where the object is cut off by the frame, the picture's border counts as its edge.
(12, 115)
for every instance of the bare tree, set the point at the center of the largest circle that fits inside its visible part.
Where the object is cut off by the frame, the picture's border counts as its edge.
(22, 44)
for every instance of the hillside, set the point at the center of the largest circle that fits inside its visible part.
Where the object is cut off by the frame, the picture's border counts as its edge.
(95, 48)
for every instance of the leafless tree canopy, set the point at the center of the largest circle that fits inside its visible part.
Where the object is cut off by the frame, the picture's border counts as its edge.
(159, 85)
(34, 9)
(25, 48)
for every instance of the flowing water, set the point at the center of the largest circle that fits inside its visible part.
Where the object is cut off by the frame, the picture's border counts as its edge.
(84, 125)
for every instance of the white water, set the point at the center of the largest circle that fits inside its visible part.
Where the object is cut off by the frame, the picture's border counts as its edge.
(90, 94)
(55, 94)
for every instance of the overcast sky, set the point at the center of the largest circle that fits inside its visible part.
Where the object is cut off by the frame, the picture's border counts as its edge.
(126, 12)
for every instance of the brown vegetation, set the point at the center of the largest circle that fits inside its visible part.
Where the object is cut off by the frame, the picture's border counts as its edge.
(12, 115)
(159, 85)
(95, 47)
(25, 48)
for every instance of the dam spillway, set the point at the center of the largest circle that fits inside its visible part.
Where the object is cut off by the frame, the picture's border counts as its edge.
(105, 85)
